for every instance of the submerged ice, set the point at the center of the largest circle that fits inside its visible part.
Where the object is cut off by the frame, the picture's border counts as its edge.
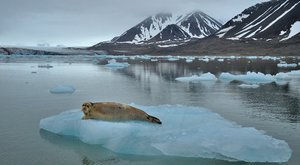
(186, 132)
(60, 89)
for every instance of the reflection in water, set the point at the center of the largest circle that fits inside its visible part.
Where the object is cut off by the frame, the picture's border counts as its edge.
(270, 101)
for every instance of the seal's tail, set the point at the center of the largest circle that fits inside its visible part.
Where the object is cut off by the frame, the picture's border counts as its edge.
(153, 119)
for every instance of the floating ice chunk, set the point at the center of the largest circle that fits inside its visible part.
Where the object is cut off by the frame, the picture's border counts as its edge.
(286, 65)
(189, 59)
(116, 65)
(60, 89)
(204, 59)
(250, 77)
(186, 132)
(270, 58)
(173, 58)
(249, 86)
(252, 57)
(204, 77)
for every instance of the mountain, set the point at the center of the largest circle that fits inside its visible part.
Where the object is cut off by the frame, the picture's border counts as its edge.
(199, 25)
(273, 20)
(196, 24)
(172, 32)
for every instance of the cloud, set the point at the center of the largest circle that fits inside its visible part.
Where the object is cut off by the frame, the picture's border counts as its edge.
(78, 22)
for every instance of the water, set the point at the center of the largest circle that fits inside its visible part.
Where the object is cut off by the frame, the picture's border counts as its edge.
(25, 99)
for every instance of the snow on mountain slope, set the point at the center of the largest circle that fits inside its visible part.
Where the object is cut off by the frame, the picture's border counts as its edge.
(199, 25)
(171, 32)
(276, 19)
(196, 25)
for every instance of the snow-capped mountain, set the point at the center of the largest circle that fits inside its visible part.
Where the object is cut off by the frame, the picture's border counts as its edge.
(172, 32)
(275, 19)
(199, 25)
(196, 25)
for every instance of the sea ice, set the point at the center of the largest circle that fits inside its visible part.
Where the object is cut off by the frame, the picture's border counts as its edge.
(185, 132)
(116, 65)
(60, 89)
(203, 77)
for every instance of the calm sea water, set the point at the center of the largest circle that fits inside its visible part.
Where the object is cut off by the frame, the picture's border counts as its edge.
(25, 99)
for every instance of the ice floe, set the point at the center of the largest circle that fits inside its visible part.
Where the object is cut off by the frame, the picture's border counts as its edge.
(185, 132)
(61, 89)
(194, 78)
(286, 65)
(116, 65)
(256, 78)
(172, 58)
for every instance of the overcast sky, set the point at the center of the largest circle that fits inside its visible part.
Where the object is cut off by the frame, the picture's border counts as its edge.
(87, 22)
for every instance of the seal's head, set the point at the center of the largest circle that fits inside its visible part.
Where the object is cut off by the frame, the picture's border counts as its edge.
(86, 107)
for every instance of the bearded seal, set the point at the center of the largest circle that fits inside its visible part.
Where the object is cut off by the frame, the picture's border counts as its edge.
(111, 111)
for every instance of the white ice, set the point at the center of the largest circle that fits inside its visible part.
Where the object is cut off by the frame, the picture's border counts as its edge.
(194, 78)
(173, 58)
(256, 78)
(286, 65)
(185, 132)
(116, 65)
(60, 89)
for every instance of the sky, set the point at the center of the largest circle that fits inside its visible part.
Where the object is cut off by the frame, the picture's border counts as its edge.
(88, 22)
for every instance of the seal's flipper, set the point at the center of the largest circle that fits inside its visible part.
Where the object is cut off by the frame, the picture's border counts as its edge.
(153, 119)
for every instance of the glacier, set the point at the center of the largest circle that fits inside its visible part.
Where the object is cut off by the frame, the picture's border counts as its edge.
(186, 132)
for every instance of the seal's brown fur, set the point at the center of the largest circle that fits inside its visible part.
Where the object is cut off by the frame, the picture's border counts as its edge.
(111, 111)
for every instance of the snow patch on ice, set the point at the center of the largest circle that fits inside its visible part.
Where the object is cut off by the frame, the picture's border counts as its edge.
(203, 77)
(199, 133)
(61, 89)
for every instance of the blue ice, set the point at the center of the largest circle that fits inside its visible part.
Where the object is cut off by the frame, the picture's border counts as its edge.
(185, 132)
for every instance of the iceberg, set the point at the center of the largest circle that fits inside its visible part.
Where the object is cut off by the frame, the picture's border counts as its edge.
(61, 89)
(185, 132)
(116, 65)
(194, 78)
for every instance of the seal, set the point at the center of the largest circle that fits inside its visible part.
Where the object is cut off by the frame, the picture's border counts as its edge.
(111, 111)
